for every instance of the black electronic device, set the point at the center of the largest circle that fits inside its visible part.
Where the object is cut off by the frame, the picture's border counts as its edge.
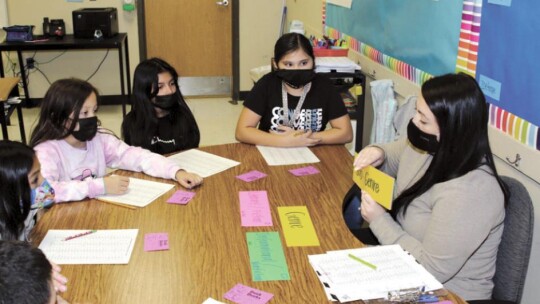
(95, 22)
(54, 28)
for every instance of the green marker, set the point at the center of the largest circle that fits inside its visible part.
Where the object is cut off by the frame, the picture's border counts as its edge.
(368, 264)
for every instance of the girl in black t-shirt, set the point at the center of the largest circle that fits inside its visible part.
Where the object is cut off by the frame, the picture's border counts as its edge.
(291, 106)
(160, 119)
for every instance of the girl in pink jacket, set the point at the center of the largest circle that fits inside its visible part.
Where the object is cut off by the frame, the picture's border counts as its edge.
(74, 153)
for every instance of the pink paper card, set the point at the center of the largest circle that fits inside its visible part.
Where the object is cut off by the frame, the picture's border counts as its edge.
(309, 170)
(156, 241)
(243, 294)
(181, 197)
(255, 209)
(251, 176)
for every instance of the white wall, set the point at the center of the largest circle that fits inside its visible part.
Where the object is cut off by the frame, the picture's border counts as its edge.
(502, 145)
(260, 22)
(80, 64)
(3, 14)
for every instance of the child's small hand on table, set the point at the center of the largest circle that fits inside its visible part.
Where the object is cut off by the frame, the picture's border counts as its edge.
(298, 138)
(59, 281)
(116, 184)
(188, 180)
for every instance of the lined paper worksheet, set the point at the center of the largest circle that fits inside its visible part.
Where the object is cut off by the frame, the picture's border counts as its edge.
(202, 163)
(140, 193)
(287, 156)
(101, 247)
(370, 272)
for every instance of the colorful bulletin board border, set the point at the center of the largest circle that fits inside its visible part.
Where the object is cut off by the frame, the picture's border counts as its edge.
(409, 72)
(518, 128)
(404, 69)
(468, 37)
(521, 130)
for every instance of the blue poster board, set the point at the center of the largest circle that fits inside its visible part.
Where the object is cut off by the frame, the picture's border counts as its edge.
(422, 33)
(508, 69)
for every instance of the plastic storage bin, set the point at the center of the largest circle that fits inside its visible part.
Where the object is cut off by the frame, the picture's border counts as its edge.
(332, 52)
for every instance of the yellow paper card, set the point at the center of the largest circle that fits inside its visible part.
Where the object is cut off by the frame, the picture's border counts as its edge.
(377, 183)
(297, 226)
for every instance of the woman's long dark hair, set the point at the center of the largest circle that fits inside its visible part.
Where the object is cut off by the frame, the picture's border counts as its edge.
(291, 42)
(141, 123)
(65, 96)
(462, 115)
(16, 161)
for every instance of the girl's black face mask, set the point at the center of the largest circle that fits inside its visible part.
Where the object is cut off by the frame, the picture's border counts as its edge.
(87, 129)
(166, 102)
(422, 140)
(296, 78)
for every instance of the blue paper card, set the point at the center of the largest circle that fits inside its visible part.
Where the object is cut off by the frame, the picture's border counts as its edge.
(490, 87)
(501, 2)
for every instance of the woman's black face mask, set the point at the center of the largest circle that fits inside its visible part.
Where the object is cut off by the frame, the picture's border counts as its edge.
(296, 78)
(422, 140)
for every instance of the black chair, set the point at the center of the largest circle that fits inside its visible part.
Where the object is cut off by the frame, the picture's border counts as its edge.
(350, 205)
(515, 248)
(353, 219)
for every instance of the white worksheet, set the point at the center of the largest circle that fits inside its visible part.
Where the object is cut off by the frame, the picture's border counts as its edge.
(350, 280)
(101, 247)
(287, 156)
(202, 163)
(140, 193)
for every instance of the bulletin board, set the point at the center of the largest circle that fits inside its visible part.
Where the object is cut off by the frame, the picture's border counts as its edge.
(493, 40)
(508, 66)
(421, 33)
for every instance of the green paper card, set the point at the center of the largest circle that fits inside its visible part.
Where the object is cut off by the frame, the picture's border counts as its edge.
(266, 257)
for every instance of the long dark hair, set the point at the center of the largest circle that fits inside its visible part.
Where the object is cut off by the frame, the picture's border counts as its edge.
(461, 111)
(65, 96)
(16, 161)
(141, 123)
(291, 42)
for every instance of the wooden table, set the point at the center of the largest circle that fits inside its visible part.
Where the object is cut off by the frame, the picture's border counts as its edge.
(8, 87)
(208, 253)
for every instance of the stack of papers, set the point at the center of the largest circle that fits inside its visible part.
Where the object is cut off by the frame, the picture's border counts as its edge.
(370, 273)
(337, 64)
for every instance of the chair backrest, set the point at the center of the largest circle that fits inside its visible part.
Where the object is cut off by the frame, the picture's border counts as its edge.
(515, 247)
(351, 202)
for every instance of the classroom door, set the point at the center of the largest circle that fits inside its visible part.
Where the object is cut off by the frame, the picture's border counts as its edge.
(194, 37)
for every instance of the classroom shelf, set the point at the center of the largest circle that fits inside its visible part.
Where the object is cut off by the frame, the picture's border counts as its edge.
(352, 88)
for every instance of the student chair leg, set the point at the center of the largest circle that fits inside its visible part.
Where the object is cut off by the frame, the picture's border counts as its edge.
(3, 121)
(21, 123)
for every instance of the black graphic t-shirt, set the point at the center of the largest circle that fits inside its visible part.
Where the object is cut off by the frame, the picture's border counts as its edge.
(163, 141)
(322, 104)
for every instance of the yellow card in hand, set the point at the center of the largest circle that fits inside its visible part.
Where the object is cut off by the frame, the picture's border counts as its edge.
(377, 183)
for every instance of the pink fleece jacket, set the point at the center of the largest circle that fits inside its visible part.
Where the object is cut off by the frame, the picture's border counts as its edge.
(78, 173)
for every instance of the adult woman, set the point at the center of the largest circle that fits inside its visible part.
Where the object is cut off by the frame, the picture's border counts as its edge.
(449, 209)
(160, 119)
(293, 104)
